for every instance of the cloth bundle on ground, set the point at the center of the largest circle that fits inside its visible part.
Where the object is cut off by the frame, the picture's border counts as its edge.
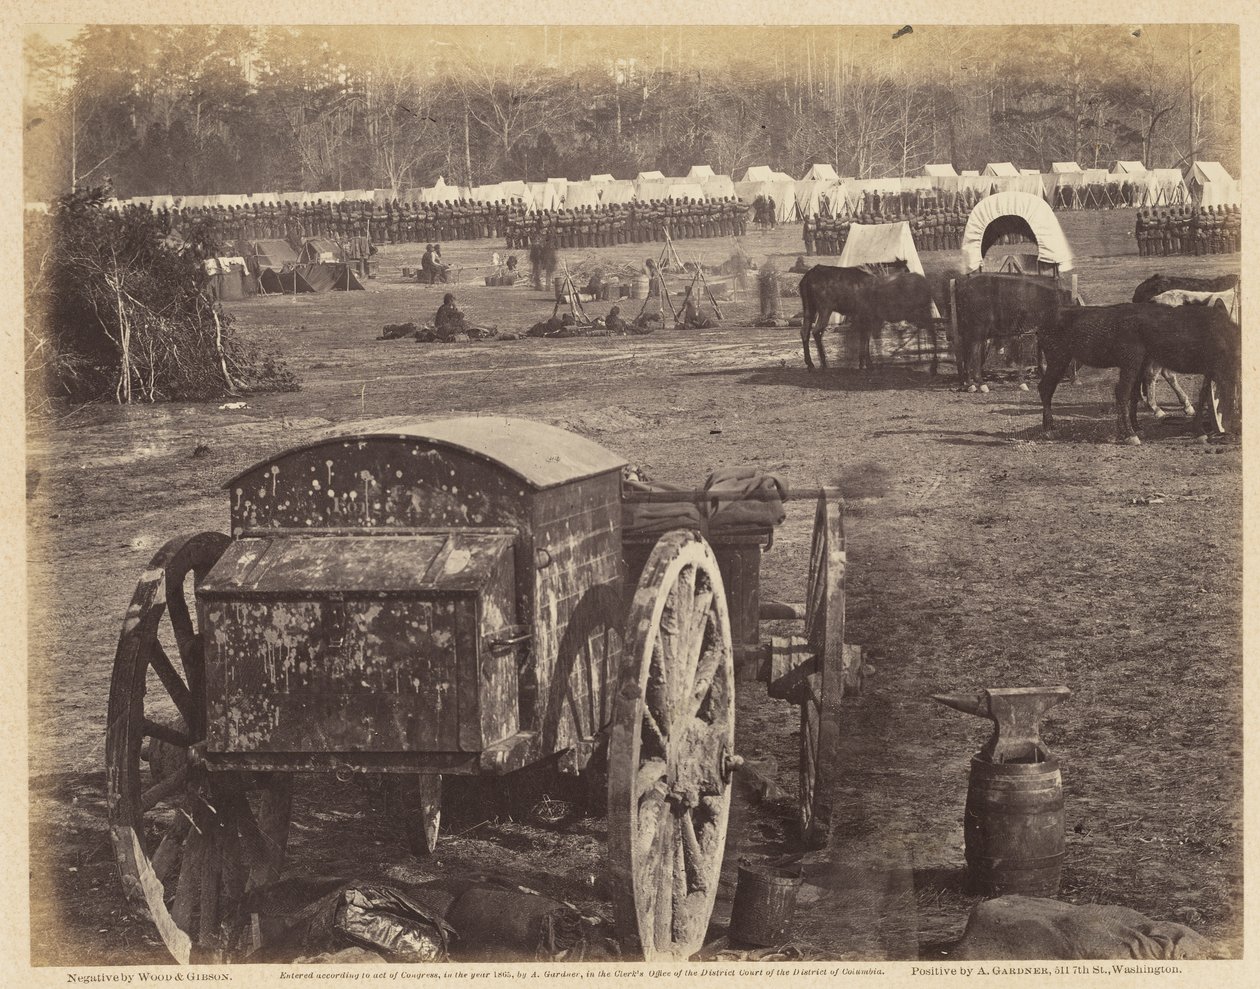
(736, 498)
(1027, 927)
(396, 331)
(397, 925)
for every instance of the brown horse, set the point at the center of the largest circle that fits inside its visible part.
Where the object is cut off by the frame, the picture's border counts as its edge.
(1190, 339)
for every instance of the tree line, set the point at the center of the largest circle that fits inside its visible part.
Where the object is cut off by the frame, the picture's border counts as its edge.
(196, 110)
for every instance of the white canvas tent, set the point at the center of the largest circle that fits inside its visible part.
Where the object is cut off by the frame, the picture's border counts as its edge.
(719, 187)
(757, 173)
(942, 170)
(1064, 168)
(577, 194)
(878, 243)
(646, 189)
(699, 173)
(970, 172)
(686, 190)
(1052, 246)
(1213, 186)
(1030, 171)
(1129, 168)
(784, 196)
(653, 176)
(819, 198)
(618, 191)
(820, 173)
(601, 178)
(1162, 187)
(1000, 168)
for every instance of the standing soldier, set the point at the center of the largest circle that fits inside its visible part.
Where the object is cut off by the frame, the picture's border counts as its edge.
(807, 234)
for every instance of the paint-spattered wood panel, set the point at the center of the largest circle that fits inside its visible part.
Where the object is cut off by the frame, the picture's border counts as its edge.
(300, 660)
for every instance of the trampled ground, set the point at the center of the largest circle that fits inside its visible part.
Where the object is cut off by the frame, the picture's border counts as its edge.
(980, 555)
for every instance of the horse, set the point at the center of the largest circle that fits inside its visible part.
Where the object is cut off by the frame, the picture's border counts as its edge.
(1183, 297)
(996, 306)
(901, 296)
(1158, 284)
(827, 289)
(1193, 340)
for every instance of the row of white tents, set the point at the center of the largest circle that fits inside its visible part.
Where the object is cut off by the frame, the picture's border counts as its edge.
(820, 191)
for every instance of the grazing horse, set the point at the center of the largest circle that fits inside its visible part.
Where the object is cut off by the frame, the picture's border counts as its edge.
(827, 289)
(902, 296)
(992, 306)
(1158, 284)
(1193, 340)
(1183, 297)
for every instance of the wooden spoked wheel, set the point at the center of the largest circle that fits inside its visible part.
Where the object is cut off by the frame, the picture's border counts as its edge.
(670, 752)
(820, 706)
(189, 842)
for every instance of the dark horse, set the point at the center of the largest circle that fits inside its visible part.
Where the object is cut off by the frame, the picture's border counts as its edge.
(1159, 284)
(992, 306)
(1148, 290)
(869, 297)
(827, 289)
(1130, 336)
(902, 296)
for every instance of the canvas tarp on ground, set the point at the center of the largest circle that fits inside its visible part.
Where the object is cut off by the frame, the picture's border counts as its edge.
(820, 173)
(699, 173)
(719, 187)
(1037, 217)
(1000, 168)
(320, 277)
(942, 170)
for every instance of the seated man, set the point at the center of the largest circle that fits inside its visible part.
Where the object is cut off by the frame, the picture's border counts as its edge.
(449, 321)
(440, 268)
(615, 324)
(690, 317)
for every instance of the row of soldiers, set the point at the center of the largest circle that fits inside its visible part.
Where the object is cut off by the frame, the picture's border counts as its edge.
(636, 222)
(1166, 230)
(384, 222)
(938, 229)
(403, 223)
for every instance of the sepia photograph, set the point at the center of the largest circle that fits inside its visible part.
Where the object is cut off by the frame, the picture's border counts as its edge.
(733, 496)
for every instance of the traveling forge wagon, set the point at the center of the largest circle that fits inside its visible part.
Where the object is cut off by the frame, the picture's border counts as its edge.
(428, 600)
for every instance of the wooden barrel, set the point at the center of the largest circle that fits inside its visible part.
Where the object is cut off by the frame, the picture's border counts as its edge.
(1014, 825)
(764, 903)
(639, 287)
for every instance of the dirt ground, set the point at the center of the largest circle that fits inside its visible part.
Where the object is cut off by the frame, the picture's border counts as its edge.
(980, 555)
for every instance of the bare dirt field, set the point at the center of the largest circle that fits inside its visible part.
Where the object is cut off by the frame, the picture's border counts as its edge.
(980, 555)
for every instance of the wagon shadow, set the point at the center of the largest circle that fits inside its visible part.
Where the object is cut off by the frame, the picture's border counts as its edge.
(837, 379)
